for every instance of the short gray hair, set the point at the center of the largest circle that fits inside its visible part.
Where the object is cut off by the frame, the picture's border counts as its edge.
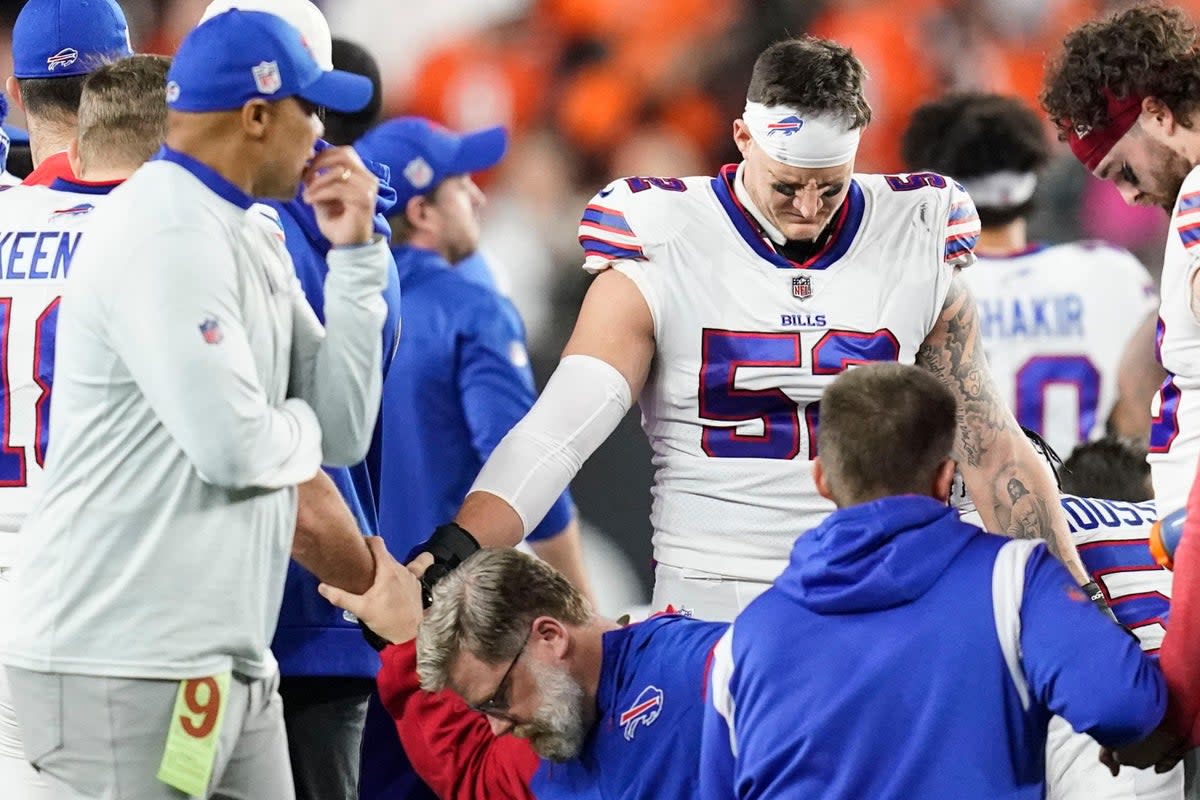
(486, 606)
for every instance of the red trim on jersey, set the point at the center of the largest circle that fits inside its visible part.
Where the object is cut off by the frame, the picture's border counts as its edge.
(51, 168)
(1180, 652)
(451, 747)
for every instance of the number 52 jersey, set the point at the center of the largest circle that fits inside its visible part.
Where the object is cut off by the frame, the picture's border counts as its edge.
(747, 340)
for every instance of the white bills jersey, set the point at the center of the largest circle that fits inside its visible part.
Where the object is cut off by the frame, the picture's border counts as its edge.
(40, 229)
(1112, 537)
(747, 340)
(1055, 321)
(1175, 428)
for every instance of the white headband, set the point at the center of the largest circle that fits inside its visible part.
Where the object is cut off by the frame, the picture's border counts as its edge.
(810, 141)
(1001, 189)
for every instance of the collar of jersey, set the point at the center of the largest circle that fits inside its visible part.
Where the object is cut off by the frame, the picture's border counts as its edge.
(84, 187)
(846, 224)
(206, 175)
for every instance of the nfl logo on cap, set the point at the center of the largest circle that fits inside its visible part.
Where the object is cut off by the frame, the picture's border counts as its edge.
(802, 287)
(266, 77)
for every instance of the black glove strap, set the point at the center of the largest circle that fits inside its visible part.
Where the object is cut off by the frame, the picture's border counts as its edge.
(374, 639)
(450, 545)
(1096, 595)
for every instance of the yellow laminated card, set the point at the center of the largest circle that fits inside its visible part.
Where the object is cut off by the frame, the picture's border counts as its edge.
(191, 749)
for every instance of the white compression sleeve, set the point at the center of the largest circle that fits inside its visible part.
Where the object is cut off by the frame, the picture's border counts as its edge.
(581, 405)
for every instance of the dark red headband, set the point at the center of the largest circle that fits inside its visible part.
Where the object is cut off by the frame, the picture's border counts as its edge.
(1091, 145)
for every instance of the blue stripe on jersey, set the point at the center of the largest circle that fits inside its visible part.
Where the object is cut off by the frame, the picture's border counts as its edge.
(962, 212)
(608, 219)
(849, 220)
(1190, 235)
(594, 246)
(963, 243)
(1189, 201)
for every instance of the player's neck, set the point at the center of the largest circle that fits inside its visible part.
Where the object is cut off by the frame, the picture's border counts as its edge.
(1003, 240)
(225, 155)
(47, 139)
(589, 654)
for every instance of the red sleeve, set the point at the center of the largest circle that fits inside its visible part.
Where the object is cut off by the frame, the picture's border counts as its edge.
(451, 747)
(1180, 653)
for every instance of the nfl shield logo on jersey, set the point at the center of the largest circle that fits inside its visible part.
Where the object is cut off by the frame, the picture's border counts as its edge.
(802, 287)
(644, 711)
(266, 77)
(210, 329)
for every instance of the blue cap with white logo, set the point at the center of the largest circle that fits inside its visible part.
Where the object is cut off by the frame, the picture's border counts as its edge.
(60, 38)
(421, 154)
(240, 56)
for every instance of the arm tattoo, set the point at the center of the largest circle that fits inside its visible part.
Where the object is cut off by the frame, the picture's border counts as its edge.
(953, 352)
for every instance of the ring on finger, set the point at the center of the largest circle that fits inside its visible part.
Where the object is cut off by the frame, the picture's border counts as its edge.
(346, 173)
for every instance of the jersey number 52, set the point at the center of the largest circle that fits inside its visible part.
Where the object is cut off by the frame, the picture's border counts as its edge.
(724, 353)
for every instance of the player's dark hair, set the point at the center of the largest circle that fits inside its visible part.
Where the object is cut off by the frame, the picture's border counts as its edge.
(885, 429)
(123, 111)
(55, 100)
(811, 75)
(1111, 468)
(402, 227)
(1146, 50)
(970, 134)
(346, 129)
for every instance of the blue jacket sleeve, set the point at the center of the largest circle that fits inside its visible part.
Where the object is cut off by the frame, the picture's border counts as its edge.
(496, 385)
(716, 750)
(1081, 665)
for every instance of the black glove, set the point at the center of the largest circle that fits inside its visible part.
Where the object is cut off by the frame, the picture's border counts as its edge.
(450, 545)
(1096, 595)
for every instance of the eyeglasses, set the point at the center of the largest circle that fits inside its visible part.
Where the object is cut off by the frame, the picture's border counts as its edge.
(497, 705)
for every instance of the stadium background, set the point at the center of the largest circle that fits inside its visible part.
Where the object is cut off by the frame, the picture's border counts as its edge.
(596, 90)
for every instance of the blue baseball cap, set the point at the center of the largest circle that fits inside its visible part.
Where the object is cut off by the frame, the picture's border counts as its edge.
(421, 154)
(60, 38)
(240, 56)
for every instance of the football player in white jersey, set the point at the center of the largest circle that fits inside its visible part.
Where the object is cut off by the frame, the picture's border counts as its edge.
(122, 120)
(1055, 318)
(1124, 92)
(726, 304)
(1112, 537)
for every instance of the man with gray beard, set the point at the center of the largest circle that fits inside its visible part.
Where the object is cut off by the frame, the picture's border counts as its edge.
(510, 646)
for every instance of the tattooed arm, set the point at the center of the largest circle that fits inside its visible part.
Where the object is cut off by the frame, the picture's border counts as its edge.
(1011, 486)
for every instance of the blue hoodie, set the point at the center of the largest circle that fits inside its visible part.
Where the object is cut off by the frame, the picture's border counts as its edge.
(315, 638)
(873, 668)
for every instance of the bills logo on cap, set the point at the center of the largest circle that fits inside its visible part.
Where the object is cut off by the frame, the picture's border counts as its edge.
(172, 91)
(210, 329)
(644, 711)
(418, 173)
(267, 78)
(786, 126)
(802, 287)
(63, 58)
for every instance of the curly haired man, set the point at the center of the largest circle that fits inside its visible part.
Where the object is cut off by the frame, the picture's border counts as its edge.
(1125, 93)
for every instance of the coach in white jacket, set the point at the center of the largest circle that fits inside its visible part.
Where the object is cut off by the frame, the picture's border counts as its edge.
(192, 387)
